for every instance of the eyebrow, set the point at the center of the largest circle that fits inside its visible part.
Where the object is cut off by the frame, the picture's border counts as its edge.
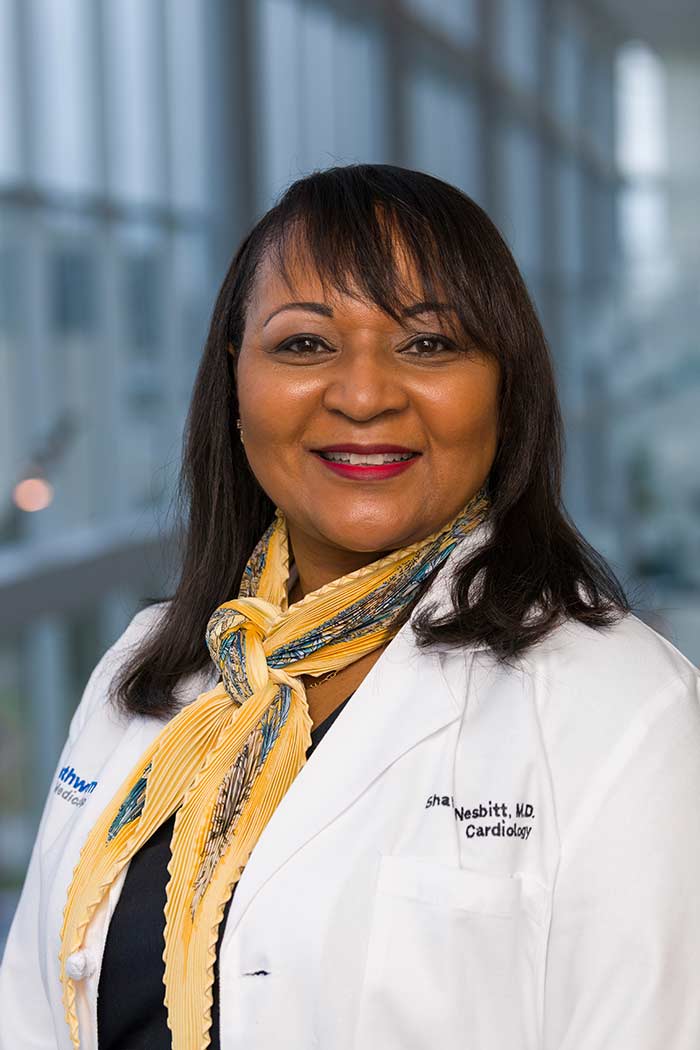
(326, 311)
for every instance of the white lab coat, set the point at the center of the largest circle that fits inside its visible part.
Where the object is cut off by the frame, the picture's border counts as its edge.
(474, 857)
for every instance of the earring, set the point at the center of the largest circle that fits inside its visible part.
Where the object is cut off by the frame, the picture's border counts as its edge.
(240, 427)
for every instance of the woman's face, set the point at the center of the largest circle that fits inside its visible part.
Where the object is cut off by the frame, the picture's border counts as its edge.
(355, 375)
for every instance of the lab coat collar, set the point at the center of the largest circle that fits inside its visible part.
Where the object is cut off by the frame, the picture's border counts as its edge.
(403, 699)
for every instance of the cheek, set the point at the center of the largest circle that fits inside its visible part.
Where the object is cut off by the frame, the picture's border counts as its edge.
(262, 405)
(466, 420)
(274, 406)
(253, 388)
(271, 431)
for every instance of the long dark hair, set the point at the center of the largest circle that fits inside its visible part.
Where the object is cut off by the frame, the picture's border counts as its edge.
(348, 217)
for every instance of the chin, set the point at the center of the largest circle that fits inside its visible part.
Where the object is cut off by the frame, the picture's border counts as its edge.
(366, 539)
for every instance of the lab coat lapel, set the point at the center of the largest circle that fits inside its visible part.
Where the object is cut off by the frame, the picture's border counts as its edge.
(69, 843)
(121, 749)
(404, 698)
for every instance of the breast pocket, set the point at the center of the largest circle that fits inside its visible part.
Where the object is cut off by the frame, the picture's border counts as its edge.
(453, 960)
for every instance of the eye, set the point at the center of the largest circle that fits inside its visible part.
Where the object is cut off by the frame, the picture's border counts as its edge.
(436, 341)
(306, 343)
(312, 346)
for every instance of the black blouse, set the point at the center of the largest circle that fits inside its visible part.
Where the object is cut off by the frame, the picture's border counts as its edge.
(131, 1014)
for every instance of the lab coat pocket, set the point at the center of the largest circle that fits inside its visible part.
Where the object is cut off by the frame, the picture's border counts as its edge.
(452, 960)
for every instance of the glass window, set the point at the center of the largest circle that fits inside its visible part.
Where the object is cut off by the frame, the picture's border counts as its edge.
(279, 86)
(84, 647)
(459, 17)
(567, 68)
(359, 114)
(135, 99)
(10, 390)
(309, 117)
(640, 105)
(45, 688)
(188, 111)
(144, 294)
(72, 282)
(65, 94)
(602, 237)
(71, 376)
(444, 130)
(10, 289)
(601, 116)
(569, 222)
(143, 302)
(317, 86)
(10, 138)
(15, 764)
(644, 225)
(519, 170)
(517, 51)
(191, 297)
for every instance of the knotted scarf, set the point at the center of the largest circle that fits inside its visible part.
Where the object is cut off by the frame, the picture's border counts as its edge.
(225, 761)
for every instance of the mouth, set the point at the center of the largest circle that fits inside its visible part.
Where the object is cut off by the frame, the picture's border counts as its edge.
(367, 466)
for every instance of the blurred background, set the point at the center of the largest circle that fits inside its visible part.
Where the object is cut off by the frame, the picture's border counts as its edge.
(139, 140)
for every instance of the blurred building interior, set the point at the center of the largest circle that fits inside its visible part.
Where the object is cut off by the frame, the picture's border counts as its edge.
(139, 139)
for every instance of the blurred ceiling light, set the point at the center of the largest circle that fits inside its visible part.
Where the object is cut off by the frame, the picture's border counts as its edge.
(32, 494)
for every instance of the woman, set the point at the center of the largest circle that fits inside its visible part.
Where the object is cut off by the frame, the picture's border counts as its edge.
(497, 843)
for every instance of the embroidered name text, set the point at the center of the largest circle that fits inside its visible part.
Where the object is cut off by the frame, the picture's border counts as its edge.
(476, 817)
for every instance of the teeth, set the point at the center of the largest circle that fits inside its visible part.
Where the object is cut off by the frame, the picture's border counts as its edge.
(356, 459)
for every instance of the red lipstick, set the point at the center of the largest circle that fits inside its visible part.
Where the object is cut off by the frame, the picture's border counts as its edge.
(367, 450)
(368, 471)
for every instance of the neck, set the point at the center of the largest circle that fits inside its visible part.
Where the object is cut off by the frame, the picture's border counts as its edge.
(317, 566)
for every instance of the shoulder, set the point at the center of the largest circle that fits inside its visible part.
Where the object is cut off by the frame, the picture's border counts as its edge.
(601, 696)
(617, 668)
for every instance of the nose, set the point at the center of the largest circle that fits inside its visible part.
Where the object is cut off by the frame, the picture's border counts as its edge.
(364, 384)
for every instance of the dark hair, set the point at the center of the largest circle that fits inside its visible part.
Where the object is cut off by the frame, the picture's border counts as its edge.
(347, 218)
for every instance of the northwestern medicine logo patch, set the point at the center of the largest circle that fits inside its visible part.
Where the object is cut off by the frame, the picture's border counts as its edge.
(72, 787)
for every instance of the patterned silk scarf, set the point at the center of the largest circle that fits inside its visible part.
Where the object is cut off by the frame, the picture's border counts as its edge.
(226, 759)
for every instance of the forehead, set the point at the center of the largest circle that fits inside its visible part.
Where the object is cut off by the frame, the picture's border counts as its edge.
(289, 273)
(271, 281)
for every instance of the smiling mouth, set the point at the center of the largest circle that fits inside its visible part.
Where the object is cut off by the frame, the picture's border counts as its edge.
(374, 459)
(377, 467)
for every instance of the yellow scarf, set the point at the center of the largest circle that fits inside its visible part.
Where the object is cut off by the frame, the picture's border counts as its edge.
(226, 759)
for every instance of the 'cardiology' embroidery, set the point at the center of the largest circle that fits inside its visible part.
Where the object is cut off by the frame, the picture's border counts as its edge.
(507, 827)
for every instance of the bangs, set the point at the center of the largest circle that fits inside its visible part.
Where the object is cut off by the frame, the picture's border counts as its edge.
(382, 244)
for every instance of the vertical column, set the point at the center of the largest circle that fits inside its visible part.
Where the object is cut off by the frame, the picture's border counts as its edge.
(108, 480)
(396, 148)
(45, 672)
(490, 115)
(235, 143)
